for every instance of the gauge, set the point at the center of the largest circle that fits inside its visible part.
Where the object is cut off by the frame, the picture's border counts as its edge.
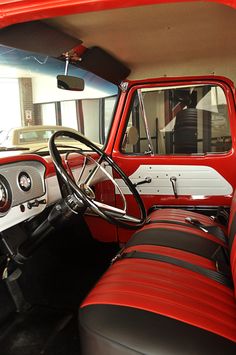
(5, 196)
(24, 181)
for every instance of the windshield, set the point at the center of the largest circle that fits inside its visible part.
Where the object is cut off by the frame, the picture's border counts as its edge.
(32, 108)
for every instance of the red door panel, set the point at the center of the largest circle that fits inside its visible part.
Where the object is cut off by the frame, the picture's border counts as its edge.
(215, 169)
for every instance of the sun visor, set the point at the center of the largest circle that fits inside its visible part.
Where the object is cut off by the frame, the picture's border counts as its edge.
(103, 64)
(38, 37)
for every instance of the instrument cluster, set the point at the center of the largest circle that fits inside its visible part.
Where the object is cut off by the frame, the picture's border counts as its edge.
(22, 191)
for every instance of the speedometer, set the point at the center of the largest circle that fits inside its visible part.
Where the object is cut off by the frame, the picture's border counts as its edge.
(5, 195)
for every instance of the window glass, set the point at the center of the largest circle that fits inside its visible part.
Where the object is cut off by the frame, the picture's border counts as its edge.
(49, 114)
(178, 120)
(69, 114)
(10, 110)
(91, 123)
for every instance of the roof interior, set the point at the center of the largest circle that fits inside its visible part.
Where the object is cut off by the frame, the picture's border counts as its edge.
(172, 39)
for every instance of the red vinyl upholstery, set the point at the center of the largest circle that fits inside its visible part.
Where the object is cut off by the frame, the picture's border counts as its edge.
(179, 216)
(232, 239)
(143, 306)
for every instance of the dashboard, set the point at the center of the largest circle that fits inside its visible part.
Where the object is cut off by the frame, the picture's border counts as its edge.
(22, 191)
(28, 184)
(31, 203)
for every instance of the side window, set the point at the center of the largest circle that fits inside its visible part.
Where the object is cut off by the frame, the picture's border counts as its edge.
(178, 120)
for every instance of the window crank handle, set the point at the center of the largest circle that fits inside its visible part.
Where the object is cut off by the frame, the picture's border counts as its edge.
(173, 181)
(147, 180)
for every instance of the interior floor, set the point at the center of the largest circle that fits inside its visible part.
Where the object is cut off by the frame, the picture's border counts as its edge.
(53, 282)
(41, 330)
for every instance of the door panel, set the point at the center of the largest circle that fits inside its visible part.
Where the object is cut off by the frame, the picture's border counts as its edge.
(182, 169)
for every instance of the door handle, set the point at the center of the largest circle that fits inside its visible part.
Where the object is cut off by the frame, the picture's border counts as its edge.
(173, 181)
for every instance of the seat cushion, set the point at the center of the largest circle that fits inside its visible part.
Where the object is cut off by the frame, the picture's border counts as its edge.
(145, 306)
(121, 330)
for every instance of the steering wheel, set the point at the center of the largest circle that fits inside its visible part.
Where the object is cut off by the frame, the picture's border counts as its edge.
(82, 193)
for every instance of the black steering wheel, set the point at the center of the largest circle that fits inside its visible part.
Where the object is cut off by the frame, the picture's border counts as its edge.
(82, 193)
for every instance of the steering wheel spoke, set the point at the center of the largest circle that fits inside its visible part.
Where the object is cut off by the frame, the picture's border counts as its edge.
(83, 169)
(114, 211)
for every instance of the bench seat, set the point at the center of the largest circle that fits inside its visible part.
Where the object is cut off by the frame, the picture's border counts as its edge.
(149, 306)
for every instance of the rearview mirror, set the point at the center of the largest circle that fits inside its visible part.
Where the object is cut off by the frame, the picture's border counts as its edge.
(68, 82)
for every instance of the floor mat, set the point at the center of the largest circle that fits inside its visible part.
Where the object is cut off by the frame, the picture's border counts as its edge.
(41, 331)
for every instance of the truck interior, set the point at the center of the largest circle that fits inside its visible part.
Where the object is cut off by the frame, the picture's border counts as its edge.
(117, 177)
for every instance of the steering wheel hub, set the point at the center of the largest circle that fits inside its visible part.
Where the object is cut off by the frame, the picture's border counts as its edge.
(87, 190)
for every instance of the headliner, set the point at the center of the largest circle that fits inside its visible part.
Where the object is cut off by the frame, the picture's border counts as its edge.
(172, 39)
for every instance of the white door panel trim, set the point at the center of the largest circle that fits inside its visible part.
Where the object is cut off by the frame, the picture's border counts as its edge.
(194, 180)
